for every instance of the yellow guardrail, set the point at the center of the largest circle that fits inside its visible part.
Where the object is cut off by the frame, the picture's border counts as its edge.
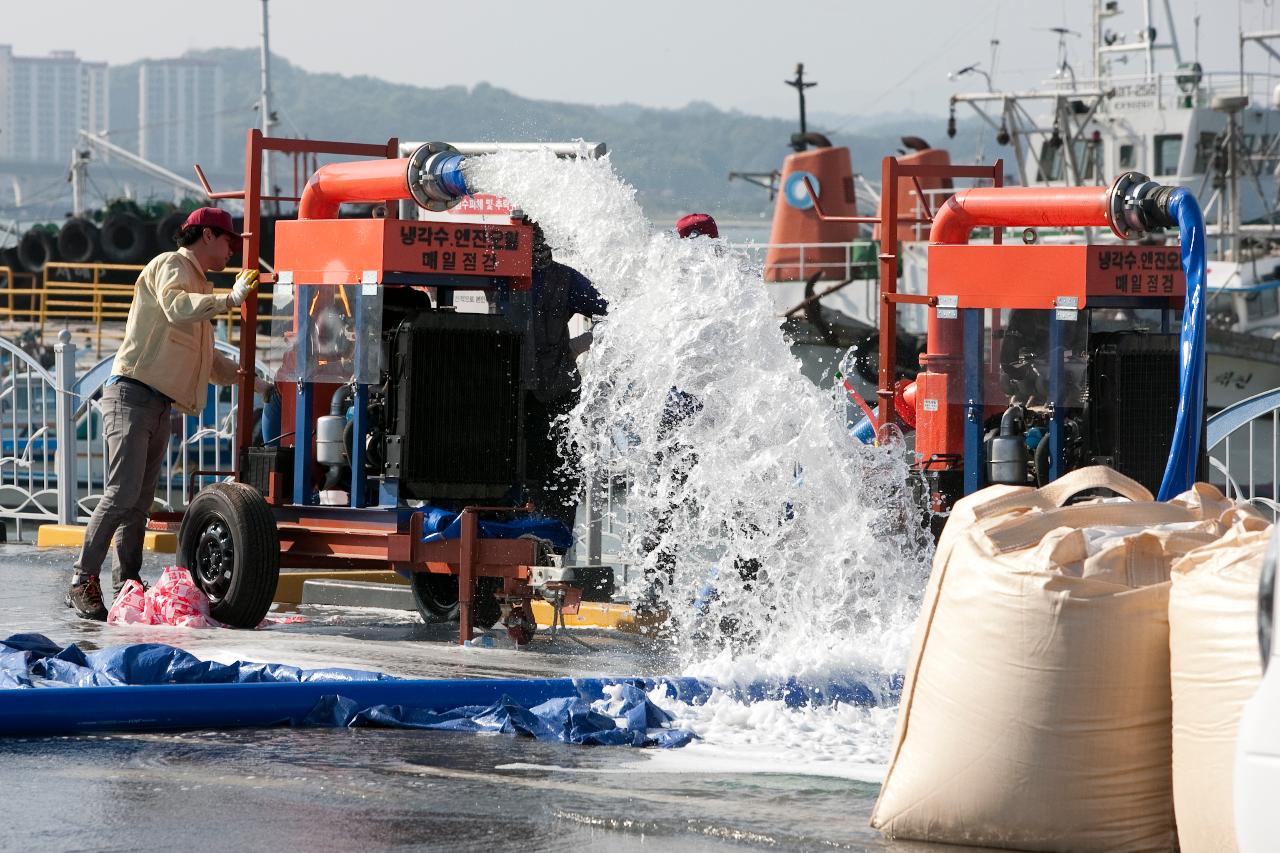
(93, 294)
(86, 292)
(19, 295)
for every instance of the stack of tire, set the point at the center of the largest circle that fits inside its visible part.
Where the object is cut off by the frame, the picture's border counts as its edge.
(128, 233)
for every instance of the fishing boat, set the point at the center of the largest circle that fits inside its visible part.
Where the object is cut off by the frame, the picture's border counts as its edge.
(1215, 133)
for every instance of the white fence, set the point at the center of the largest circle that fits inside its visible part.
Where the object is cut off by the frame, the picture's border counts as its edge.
(1243, 440)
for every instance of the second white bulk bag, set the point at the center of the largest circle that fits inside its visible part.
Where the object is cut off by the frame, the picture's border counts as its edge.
(1215, 666)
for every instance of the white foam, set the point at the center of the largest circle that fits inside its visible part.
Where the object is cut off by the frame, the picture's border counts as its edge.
(759, 471)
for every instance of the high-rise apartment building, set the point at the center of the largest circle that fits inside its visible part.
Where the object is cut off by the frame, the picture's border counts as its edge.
(45, 101)
(180, 113)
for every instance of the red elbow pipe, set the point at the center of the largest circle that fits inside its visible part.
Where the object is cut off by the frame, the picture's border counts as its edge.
(357, 181)
(942, 434)
(1020, 207)
(1009, 207)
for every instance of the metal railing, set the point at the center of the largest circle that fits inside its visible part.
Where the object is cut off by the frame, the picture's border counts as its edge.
(1244, 447)
(603, 524)
(53, 455)
(802, 264)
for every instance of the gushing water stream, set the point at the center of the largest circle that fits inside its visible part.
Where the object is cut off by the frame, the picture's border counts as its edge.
(779, 547)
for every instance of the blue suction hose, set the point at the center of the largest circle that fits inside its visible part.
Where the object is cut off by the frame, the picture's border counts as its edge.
(1184, 452)
(865, 431)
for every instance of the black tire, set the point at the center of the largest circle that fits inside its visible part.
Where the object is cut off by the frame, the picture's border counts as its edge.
(167, 231)
(230, 543)
(436, 597)
(78, 241)
(36, 249)
(9, 258)
(126, 239)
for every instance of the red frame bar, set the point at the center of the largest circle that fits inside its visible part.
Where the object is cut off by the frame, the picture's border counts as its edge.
(255, 146)
(891, 172)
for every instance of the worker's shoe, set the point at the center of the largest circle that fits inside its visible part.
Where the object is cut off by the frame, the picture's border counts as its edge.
(85, 597)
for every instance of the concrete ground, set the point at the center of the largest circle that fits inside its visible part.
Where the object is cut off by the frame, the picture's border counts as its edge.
(372, 790)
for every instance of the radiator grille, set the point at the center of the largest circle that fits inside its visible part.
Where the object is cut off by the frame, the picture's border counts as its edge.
(1133, 392)
(456, 390)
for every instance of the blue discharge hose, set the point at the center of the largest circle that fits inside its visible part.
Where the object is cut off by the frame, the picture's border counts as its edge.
(1184, 451)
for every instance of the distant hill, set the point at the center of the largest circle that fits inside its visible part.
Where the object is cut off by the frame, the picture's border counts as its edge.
(678, 160)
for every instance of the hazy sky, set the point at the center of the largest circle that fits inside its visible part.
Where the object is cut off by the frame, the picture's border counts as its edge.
(867, 57)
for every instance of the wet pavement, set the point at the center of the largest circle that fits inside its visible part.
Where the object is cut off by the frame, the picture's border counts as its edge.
(344, 789)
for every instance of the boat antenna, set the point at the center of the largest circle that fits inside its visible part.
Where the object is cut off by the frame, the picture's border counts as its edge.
(975, 68)
(799, 84)
(1063, 65)
(1196, 43)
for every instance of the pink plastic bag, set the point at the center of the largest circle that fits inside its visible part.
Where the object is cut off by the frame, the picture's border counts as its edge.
(176, 600)
(129, 608)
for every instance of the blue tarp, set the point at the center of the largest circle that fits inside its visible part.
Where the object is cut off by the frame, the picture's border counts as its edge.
(151, 686)
(156, 687)
(626, 718)
(439, 524)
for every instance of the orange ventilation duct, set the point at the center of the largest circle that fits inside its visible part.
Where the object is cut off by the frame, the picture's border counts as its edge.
(796, 221)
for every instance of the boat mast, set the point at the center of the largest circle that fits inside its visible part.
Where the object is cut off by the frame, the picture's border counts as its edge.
(797, 142)
(264, 102)
(1148, 41)
(1095, 35)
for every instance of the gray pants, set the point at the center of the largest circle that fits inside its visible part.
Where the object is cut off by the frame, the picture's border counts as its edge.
(135, 424)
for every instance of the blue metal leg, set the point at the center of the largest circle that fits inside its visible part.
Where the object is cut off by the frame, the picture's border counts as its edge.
(1055, 396)
(304, 449)
(974, 452)
(360, 423)
(360, 431)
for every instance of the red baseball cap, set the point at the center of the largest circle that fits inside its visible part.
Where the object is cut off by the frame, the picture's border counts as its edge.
(217, 219)
(697, 225)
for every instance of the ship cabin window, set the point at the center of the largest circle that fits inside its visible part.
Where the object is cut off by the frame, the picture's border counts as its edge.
(1262, 303)
(1266, 152)
(1085, 153)
(1168, 150)
(1126, 156)
(1053, 165)
(1051, 161)
(1204, 152)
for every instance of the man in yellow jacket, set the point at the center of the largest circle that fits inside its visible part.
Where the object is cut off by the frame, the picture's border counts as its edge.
(167, 360)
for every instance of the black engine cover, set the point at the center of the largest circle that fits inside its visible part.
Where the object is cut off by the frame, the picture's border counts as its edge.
(1133, 402)
(454, 397)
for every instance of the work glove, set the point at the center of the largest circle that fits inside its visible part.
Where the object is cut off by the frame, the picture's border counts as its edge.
(246, 282)
(264, 387)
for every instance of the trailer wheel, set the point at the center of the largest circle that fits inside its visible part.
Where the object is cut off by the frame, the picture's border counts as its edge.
(436, 597)
(230, 543)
